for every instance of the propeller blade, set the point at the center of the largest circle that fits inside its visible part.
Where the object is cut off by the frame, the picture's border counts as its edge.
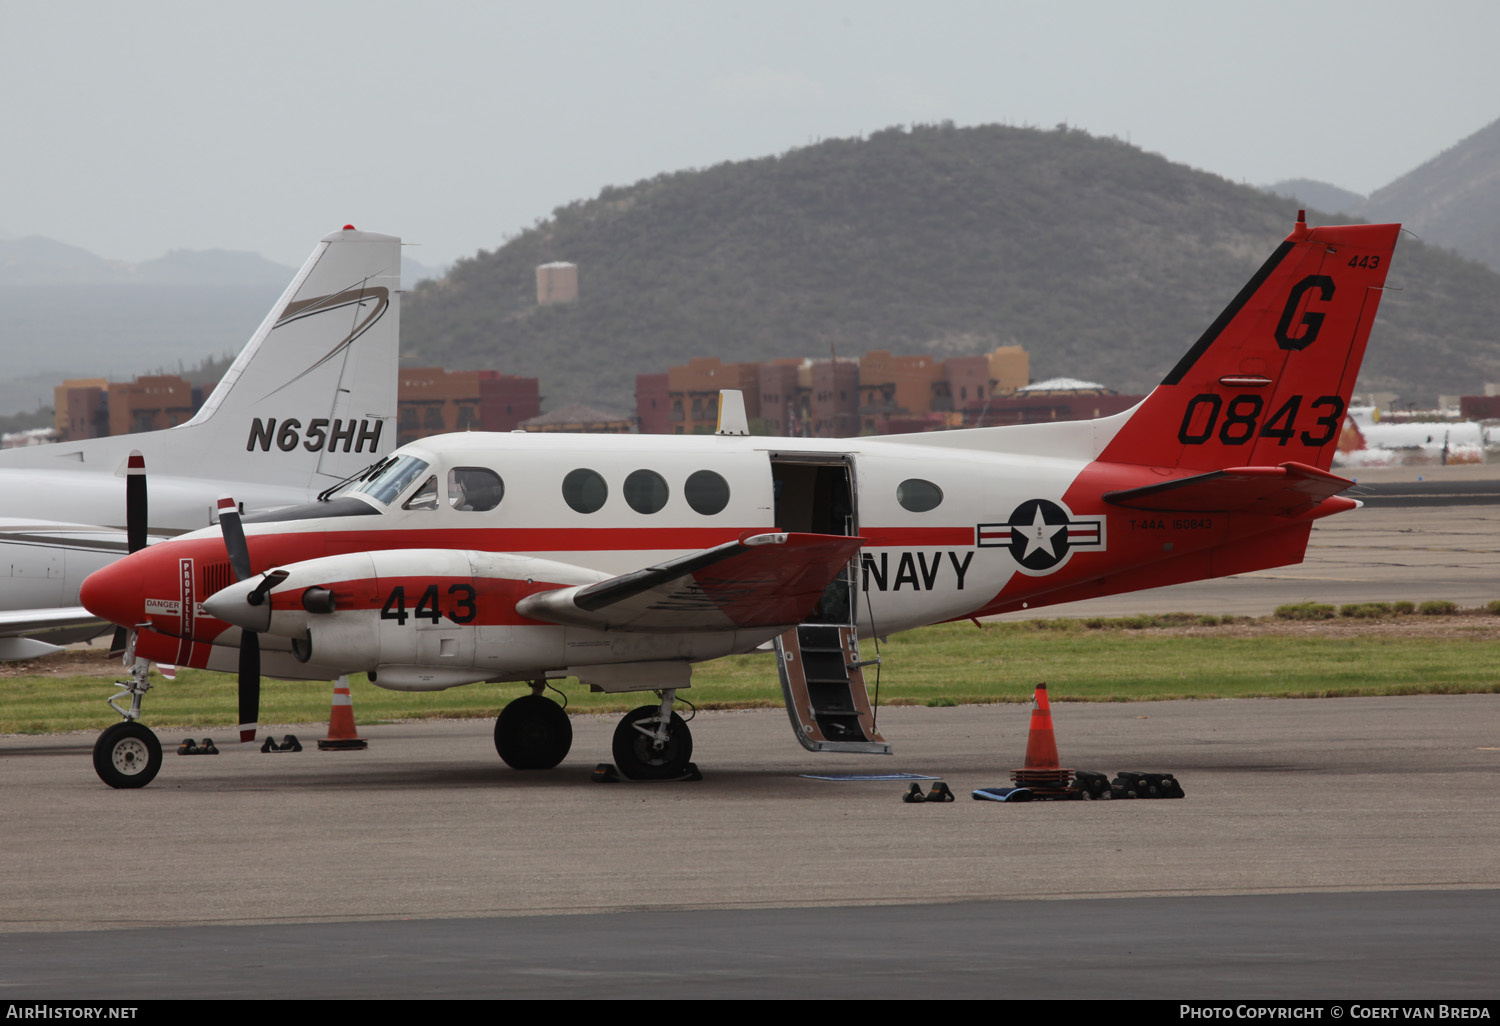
(234, 538)
(269, 581)
(135, 502)
(249, 685)
(239, 558)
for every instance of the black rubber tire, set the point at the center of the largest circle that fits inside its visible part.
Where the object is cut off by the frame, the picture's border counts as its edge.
(533, 733)
(639, 760)
(127, 755)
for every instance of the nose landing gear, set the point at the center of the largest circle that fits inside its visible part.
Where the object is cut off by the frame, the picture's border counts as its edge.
(128, 754)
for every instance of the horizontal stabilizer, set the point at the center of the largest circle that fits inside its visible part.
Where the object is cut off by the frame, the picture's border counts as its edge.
(1284, 491)
(762, 580)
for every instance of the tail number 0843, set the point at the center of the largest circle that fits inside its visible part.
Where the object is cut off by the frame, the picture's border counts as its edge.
(1239, 420)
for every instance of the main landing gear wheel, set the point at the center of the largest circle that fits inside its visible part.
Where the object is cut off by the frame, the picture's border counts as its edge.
(638, 754)
(127, 755)
(533, 732)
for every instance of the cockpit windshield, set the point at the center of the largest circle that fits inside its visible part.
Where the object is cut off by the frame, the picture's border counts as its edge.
(390, 480)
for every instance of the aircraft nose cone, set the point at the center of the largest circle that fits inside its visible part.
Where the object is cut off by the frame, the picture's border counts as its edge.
(116, 592)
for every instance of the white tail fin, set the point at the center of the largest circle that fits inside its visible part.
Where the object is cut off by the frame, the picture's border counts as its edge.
(311, 398)
(313, 394)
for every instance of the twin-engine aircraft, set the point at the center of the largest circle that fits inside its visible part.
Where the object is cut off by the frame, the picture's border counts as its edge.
(309, 402)
(624, 560)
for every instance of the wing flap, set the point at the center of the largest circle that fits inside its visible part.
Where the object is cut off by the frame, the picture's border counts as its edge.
(1286, 490)
(762, 580)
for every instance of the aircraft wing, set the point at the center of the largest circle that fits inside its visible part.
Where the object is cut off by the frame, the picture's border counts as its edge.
(22, 630)
(762, 580)
(1285, 490)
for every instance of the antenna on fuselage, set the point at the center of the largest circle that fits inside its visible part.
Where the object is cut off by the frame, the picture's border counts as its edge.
(732, 419)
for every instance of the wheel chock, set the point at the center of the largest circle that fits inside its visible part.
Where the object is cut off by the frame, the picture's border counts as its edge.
(207, 747)
(940, 793)
(914, 793)
(605, 773)
(1003, 794)
(1090, 785)
(1149, 785)
(289, 744)
(188, 747)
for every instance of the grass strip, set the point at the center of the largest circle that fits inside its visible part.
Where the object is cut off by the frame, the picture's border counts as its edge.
(940, 665)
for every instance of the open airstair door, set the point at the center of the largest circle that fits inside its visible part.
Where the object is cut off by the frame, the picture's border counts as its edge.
(822, 676)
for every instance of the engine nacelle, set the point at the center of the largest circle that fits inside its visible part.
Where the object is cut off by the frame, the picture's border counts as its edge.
(434, 618)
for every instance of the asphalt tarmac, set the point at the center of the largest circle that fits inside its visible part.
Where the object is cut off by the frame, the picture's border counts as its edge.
(1376, 798)
(1326, 849)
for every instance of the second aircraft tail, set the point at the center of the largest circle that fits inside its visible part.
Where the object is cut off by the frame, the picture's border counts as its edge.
(313, 394)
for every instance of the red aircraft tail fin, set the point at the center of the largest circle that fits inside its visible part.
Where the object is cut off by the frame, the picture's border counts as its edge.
(1269, 381)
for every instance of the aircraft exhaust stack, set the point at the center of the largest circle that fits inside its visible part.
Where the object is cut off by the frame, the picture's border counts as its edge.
(1042, 772)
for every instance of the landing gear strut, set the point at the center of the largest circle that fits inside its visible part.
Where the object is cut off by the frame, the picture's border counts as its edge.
(129, 754)
(652, 742)
(533, 732)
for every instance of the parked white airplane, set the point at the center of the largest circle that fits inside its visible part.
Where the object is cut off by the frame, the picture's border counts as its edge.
(310, 401)
(625, 559)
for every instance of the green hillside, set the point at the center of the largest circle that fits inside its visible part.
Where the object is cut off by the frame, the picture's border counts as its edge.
(1106, 262)
(1452, 199)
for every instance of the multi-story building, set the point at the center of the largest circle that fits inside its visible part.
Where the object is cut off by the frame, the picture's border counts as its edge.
(150, 403)
(80, 409)
(653, 404)
(693, 390)
(876, 394)
(430, 401)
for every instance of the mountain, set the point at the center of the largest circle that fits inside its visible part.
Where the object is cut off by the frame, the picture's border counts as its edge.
(1453, 200)
(35, 260)
(414, 271)
(66, 312)
(1106, 262)
(39, 261)
(222, 267)
(1319, 195)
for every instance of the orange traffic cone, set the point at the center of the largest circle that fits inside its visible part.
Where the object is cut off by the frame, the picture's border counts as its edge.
(1042, 772)
(342, 736)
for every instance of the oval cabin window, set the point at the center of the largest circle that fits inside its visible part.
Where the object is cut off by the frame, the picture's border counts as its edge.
(645, 491)
(918, 496)
(585, 491)
(706, 492)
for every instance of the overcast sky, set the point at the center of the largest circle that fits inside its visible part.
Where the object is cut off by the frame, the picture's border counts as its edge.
(133, 128)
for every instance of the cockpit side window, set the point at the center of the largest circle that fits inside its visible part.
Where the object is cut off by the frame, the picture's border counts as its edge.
(390, 480)
(424, 497)
(474, 489)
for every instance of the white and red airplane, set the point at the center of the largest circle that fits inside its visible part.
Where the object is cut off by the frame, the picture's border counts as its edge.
(625, 559)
